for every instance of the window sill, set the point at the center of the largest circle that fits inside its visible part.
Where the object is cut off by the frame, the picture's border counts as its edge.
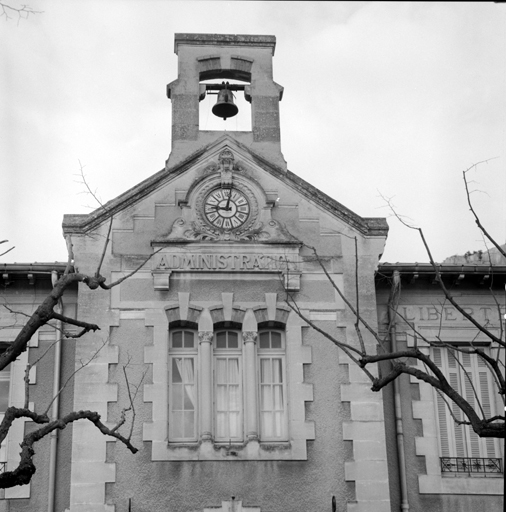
(436, 484)
(251, 450)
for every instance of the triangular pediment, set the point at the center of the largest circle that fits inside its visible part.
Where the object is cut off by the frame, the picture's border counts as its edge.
(206, 162)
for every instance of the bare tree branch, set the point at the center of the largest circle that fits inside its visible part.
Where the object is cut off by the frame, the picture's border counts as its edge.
(447, 294)
(26, 467)
(3, 242)
(23, 12)
(473, 211)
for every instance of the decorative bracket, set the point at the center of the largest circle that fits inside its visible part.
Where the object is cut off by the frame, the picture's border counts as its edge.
(161, 279)
(291, 280)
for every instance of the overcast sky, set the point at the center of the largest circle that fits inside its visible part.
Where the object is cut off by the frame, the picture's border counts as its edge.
(386, 98)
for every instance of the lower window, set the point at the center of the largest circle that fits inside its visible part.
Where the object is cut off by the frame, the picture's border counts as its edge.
(232, 405)
(461, 449)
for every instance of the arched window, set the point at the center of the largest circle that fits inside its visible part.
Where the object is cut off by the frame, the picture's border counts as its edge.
(272, 385)
(228, 386)
(183, 395)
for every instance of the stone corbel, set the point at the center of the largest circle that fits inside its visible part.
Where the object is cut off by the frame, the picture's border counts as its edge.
(291, 280)
(161, 279)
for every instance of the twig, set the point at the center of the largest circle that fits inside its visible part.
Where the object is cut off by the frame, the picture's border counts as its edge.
(471, 208)
(72, 375)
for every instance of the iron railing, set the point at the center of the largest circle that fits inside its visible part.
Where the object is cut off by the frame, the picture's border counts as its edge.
(3, 467)
(470, 465)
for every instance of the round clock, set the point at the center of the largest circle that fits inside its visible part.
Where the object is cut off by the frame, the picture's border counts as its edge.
(226, 208)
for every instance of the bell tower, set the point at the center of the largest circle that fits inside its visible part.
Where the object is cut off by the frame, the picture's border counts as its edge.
(244, 58)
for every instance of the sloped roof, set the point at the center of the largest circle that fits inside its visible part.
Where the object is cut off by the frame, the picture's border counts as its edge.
(79, 223)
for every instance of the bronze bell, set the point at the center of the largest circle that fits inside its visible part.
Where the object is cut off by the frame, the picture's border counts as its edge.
(225, 106)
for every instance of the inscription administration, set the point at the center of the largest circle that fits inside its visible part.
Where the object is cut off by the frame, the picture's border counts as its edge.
(213, 262)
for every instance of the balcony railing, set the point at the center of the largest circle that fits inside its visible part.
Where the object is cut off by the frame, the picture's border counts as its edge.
(2, 466)
(470, 465)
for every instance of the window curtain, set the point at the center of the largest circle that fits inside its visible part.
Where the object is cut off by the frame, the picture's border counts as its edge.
(272, 399)
(228, 398)
(184, 398)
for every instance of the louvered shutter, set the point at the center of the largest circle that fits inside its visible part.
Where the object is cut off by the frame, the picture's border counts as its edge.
(442, 411)
(485, 380)
(468, 375)
(452, 371)
(471, 391)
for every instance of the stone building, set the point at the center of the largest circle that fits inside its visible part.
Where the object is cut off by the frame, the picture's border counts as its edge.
(239, 404)
(444, 466)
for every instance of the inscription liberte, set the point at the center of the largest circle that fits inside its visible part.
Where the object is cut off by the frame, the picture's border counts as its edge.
(224, 262)
(447, 313)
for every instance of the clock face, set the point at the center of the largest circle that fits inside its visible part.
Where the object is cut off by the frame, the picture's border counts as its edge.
(226, 208)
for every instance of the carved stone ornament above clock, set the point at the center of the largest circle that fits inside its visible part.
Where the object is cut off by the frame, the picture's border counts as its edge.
(225, 204)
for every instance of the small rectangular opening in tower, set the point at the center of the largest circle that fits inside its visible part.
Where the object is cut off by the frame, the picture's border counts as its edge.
(241, 122)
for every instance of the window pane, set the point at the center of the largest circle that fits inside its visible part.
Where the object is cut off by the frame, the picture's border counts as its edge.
(176, 375)
(278, 424)
(228, 398)
(234, 400)
(188, 398)
(235, 428)
(182, 398)
(221, 340)
(275, 339)
(177, 424)
(4, 395)
(177, 397)
(264, 340)
(221, 371)
(266, 398)
(267, 424)
(233, 371)
(221, 397)
(272, 402)
(221, 425)
(188, 339)
(278, 397)
(277, 375)
(177, 339)
(189, 422)
(233, 341)
(265, 371)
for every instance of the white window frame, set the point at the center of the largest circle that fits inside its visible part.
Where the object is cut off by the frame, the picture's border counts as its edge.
(228, 354)
(156, 430)
(184, 354)
(271, 354)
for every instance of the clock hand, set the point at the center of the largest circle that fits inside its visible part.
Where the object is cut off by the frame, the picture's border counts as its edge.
(227, 208)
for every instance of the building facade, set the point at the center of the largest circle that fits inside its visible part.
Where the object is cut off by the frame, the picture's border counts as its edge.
(446, 466)
(238, 403)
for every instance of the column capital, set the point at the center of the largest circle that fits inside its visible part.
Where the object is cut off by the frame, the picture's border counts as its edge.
(206, 336)
(249, 336)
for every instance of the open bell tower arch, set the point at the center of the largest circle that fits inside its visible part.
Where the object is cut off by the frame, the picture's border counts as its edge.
(215, 56)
